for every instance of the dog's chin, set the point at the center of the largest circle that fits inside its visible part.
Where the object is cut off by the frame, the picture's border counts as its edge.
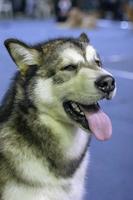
(89, 117)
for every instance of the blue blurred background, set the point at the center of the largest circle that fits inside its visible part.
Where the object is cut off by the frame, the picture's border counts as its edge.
(109, 25)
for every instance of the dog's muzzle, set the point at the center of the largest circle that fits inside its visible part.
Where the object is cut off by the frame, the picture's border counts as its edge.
(106, 84)
(90, 116)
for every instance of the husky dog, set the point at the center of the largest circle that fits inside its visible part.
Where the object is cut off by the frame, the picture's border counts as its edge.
(47, 118)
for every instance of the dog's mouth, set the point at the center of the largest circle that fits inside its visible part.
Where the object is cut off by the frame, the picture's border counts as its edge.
(90, 117)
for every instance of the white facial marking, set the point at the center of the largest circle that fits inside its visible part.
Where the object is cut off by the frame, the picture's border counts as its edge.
(71, 55)
(90, 53)
(43, 91)
(105, 72)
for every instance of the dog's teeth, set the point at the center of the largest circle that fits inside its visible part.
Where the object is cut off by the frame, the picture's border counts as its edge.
(81, 113)
(76, 107)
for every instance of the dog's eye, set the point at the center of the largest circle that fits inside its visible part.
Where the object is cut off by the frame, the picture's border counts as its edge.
(70, 67)
(98, 62)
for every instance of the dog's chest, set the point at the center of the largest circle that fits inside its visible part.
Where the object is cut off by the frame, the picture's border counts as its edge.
(53, 188)
(61, 189)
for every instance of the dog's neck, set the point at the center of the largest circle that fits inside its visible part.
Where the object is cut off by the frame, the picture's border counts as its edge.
(62, 145)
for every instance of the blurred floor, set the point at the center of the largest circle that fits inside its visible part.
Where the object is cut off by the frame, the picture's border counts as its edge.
(110, 174)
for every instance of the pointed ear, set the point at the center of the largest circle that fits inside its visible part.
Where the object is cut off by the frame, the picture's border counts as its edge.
(22, 54)
(84, 38)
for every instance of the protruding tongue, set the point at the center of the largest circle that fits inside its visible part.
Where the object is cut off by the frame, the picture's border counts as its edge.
(99, 124)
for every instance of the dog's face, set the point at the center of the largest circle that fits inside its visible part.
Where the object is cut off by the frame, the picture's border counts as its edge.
(69, 80)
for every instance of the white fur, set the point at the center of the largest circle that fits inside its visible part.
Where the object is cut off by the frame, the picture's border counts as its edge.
(51, 191)
(79, 142)
(90, 54)
(72, 56)
(32, 168)
(51, 187)
(43, 91)
(105, 72)
(47, 101)
(72, 142)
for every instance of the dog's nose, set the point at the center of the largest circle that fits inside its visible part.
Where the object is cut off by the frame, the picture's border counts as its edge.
(105, 83)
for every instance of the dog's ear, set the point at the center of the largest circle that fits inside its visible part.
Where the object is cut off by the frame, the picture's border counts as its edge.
(84, 38)
(22, 54)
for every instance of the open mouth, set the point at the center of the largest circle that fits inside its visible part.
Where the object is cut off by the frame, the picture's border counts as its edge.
(91, 118)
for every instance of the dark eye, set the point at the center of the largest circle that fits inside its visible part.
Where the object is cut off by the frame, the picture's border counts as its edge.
(70, 67)
(98, 62)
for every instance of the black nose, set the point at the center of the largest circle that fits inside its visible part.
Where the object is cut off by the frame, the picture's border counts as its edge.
(105, 83)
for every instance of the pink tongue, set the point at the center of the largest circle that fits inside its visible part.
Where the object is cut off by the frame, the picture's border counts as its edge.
(99, 124)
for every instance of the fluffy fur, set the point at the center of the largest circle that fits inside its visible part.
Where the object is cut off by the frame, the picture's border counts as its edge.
(43, 152)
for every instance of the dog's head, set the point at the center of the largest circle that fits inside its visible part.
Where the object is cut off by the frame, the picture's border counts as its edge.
(68, 82)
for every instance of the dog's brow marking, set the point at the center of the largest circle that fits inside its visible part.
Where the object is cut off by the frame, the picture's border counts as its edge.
(72, 55)
(90, 53)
